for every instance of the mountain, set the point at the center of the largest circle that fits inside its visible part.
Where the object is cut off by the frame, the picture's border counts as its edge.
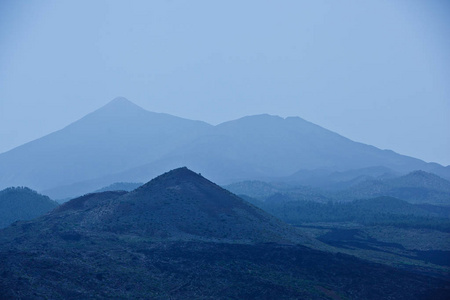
(21, 203)
(122, 142)
(116, 137)
(180, 236)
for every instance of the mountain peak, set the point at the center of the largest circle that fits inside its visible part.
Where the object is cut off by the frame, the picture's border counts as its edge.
(182, 174)
(120, 99)
(120, 103)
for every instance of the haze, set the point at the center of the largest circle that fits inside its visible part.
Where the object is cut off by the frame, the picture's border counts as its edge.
(376, 72)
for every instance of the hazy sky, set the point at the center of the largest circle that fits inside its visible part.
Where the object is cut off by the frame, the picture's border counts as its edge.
(376, 71)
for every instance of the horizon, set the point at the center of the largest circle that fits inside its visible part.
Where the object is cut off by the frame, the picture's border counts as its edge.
(374, 72)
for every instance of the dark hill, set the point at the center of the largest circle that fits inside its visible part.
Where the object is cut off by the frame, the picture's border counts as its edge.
(21, 203)
(178, 205)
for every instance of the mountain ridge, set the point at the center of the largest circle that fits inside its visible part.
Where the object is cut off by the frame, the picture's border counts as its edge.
(123, 142)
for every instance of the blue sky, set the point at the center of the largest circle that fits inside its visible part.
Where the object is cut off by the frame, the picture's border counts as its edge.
(375, 71)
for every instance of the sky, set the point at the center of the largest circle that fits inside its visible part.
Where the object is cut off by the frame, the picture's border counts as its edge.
(375, 71)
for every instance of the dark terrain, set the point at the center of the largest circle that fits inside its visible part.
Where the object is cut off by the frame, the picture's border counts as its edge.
(180, 236)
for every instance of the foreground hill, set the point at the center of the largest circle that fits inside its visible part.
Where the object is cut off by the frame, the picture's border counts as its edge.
(122, 142)
(22, 203)
(176, 205)
(182, 237)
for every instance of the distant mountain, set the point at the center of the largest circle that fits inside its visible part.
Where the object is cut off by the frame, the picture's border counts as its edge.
(116, 137)
(265, 191)
(120, 186)
(180, 236)
(415, 187)
(334, 180)
(122, 142)
(21, 203)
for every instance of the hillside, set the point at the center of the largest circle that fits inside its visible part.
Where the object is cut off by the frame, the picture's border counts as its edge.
(21, 203)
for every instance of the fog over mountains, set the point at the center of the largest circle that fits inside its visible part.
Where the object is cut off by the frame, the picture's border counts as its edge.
(122, 142)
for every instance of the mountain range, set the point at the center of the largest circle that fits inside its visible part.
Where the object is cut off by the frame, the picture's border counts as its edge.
(122, 142)
(416, 187)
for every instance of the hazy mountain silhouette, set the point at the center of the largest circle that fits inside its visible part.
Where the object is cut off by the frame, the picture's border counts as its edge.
(22, 203)
(118, 136)
(122, 142)
(180, 236)
(332, 180)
